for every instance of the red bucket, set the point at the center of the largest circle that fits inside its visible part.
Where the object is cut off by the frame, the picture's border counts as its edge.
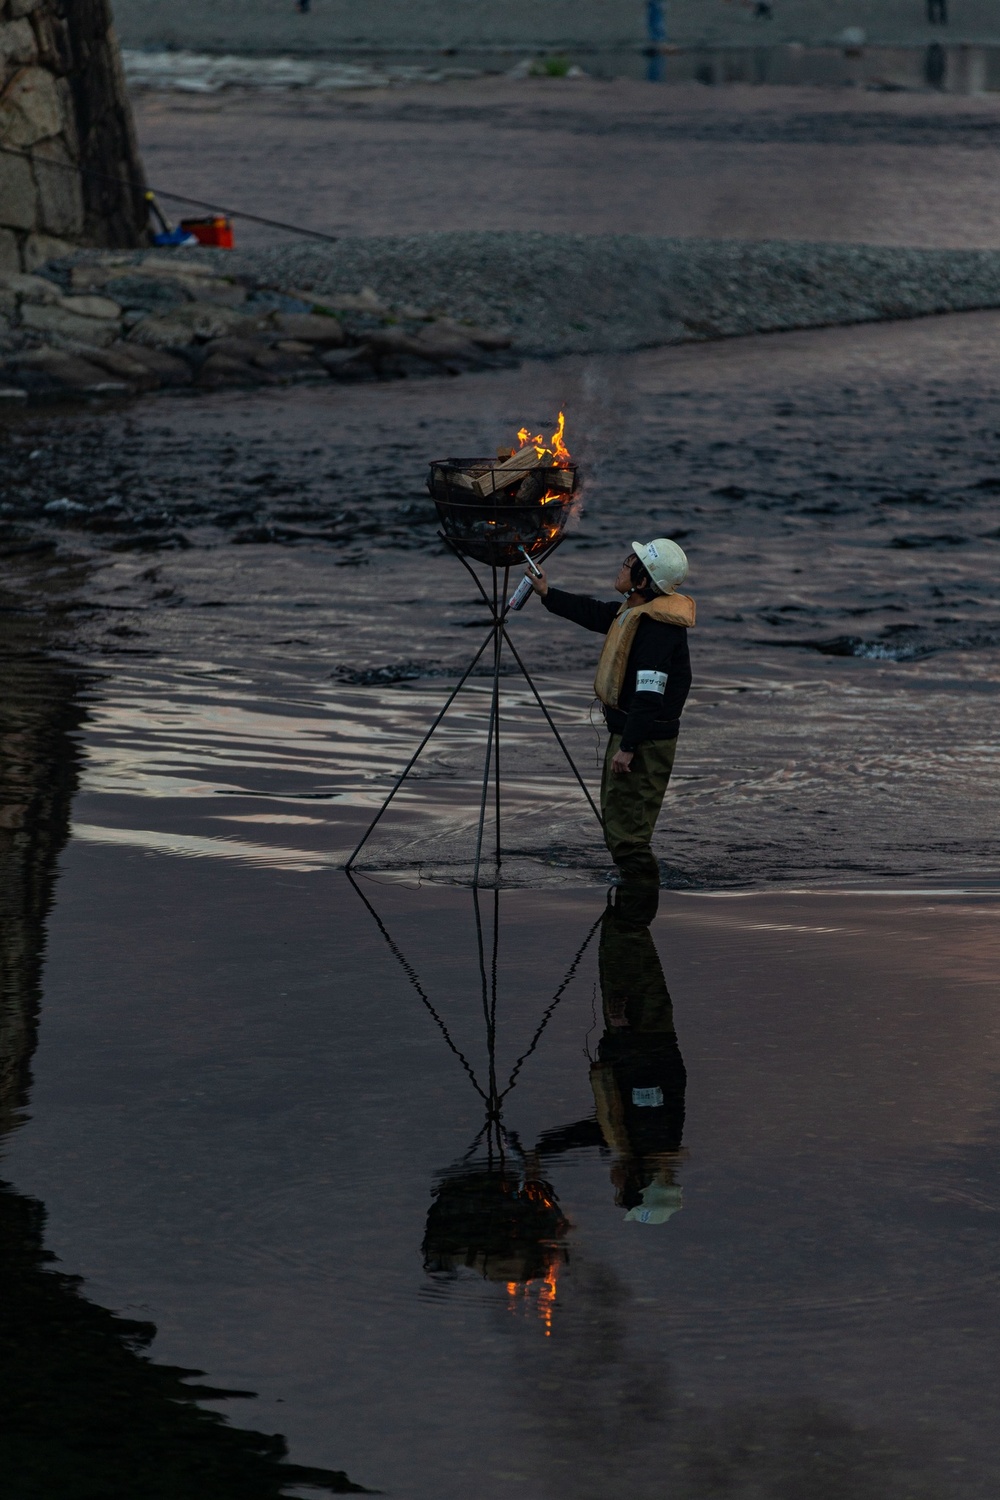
(217, 231)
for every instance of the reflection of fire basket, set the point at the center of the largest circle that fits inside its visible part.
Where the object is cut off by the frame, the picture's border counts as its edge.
(529, 509)
(494, 1222)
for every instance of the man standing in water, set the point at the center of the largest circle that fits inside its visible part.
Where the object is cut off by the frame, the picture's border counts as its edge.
(643, 679)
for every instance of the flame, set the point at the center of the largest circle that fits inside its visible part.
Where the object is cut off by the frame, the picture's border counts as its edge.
(559, 450)
(555, 446)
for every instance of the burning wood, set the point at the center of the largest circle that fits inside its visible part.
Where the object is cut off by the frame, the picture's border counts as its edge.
(507, 472)
(499, 510)
(463, 480)
(533, 454)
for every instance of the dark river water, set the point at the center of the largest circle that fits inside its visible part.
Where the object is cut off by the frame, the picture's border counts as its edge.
(545, 1194)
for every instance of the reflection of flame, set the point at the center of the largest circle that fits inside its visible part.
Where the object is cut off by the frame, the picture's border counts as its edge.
(547, 1298)
(544, 1296)
(556, 447)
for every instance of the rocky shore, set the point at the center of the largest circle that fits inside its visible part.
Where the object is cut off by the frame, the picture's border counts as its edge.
(101, 324)
(105, 325)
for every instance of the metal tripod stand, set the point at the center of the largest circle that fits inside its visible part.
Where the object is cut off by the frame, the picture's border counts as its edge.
(496, 602)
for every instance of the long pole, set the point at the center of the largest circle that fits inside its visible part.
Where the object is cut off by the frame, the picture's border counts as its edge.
(496, 755)
(489, 739)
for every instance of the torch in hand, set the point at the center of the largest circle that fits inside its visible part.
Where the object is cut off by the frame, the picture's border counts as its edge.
(519, 597)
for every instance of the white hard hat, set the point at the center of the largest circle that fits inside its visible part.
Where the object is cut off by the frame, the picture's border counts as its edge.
(664, 561)
(660, 1201)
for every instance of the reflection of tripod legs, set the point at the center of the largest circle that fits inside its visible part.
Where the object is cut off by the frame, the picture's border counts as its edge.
(497, 638)
(492, 1096)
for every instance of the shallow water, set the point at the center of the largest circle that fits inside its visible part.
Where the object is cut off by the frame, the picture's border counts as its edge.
(836, 492)
(255, 1117)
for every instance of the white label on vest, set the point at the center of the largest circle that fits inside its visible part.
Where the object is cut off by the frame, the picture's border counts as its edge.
(647, 1098)
(651, 682)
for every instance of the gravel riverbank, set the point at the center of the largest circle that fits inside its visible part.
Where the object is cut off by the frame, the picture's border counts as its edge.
(575, 293)
(384, 307)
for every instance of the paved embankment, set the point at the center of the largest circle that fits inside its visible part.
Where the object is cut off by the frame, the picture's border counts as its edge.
(586, 26)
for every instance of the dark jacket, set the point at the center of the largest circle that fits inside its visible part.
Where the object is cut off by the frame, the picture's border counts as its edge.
(658, 647)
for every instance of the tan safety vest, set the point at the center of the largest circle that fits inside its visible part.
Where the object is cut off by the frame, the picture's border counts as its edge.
(675, 609)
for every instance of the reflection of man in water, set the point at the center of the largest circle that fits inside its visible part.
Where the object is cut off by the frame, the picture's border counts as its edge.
(937, 12)
(638, 1075)
(502, 1218)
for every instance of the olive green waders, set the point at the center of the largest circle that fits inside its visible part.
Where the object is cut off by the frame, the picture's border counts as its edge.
(630, 805)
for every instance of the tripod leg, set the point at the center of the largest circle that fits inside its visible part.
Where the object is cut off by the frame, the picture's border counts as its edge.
(497, 607)
(419, 751)
(489, 752)
(551, 724)
(496, 721)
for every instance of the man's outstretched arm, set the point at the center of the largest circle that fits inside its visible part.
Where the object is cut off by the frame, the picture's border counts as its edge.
(592, 614)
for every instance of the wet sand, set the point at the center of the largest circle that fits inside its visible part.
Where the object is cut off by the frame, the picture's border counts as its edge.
(242, 1113)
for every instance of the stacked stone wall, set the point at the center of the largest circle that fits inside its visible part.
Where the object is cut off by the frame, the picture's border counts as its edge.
(70, 172)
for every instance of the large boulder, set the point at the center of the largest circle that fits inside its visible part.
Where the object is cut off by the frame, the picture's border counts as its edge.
(52, 371)
(64, 323)
(223, 369)
(169, 369)
(28, 288)
(125, 366)
(30, 108)
(18, 197)
(309, 328)
(150, 294)
(196, 321)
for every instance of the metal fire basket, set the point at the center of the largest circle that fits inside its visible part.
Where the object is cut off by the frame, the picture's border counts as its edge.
(523, 515)
(529, 511)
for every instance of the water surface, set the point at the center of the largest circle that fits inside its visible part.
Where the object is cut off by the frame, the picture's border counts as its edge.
(250, 1095)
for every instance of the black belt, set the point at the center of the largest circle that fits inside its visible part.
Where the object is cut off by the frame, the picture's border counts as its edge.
(663, 729)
